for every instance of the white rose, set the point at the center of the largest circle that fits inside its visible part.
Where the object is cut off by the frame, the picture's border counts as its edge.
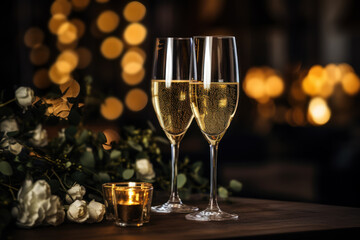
(144, 169)
(37, 206)
(77, 192)
(24, 96)
(15, 147)
(78, 211)
(9, 125)
(96, 211)
(39, 138)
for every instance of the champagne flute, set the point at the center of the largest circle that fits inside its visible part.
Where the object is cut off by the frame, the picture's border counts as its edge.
(214, 99)
(173, 68)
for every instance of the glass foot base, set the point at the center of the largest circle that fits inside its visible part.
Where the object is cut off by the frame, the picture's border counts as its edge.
(208, 215)
(174, 208)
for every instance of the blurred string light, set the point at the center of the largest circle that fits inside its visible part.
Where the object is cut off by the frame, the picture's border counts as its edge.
(68, 31)
(318, 112)
(111, 136)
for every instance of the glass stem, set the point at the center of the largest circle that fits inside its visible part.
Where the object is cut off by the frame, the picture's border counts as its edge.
(174, 196)
(213, 204)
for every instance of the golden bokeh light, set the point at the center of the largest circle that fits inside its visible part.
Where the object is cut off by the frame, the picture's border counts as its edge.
(55, 22)
(111, 108)
(274, 86)
(350, 83)
(111, 136)
(58, 77)
(266, 110)
(133, 79)
(107, 21)
(254, 87)
(102, 1)
(298, 116)
(67, 33)
(135, 33)
(70, 89)
(132, 62)
(139, 51)
(333, 73)
(80, 4)
(62, 47)
(136, 99)
(111, 47)
(80, 26)
(41, 79)
(33, 37)
(67, 61)
(134, 11)
(318, 111)
(85, 57)
(40, 55)
(61, 6)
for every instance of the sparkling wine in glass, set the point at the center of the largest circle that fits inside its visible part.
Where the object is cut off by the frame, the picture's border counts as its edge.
(214, 99)
(173, 69)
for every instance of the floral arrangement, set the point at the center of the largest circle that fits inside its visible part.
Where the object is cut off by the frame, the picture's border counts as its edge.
(38, 175)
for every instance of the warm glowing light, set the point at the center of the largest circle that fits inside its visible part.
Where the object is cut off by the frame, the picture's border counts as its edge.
(135, 33)
(318, 111)
(254, 87)
(56, 76)
(111, 108)
(107, 21)
(85, 57)
(80, 26)
(80, 4)
(132, 62)
(274, 86)
(139, 51)
(67, 33)
(133, 79)
(136, 99)
(266, 110)
(345, 68)
(350, 83)
(63, 47)
(102, 1)
(333, 73)
(315, 82)
(55, 22)
(111, 47)
(298, 117)
(71, 89)
(111, 136)
(41, 79)
(296, 91)
(33, 37)
(61, 6)
(67, 61)
(39, 55)
(134, 11)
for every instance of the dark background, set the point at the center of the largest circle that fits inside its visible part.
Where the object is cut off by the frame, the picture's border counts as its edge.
(273, 159)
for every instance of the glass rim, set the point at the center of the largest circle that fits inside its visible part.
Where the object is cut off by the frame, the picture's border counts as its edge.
(175, 38)
(142, 185)
(216, 36)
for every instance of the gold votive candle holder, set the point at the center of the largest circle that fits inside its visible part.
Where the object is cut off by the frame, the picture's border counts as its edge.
(108, 194)
(132, 201)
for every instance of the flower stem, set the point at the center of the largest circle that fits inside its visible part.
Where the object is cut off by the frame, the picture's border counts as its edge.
(6, 103)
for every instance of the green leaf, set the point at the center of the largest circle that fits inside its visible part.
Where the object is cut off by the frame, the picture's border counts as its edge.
(135, 146)
(82, 138)
(181, 180)
(104, 177)
(101, 138)
(223, 192)
(21, 168)
(128, 173)
(68, 164)
(87, 159)
(235, 185)
(5, 168)
(197, 166)
(161, 140)
(100, 153)
(115, 154)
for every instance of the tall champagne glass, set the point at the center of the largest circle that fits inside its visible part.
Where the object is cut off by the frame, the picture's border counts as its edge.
(214, 99)
(173, 69)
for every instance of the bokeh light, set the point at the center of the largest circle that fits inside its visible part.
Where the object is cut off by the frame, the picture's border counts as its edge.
(41, 79)
(39, 55)
(58, 77)
(134, 11)
(133, 79)
(55, 22)
(135, 33)
(67, 61)
(107, 21)
(67, 33)
(111, 47)
(62, 47)
(111, 136)
(102, 1)
(85, 57)
(80, 26)
(274, 86)
(136, 99)
(33, 37)
(350, 83)
(61, 6)
(111, 108)
(80, 5)
(132, 62)
(318, 112)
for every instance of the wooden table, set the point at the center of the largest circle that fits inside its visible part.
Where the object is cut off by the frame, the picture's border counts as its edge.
(258, 219)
